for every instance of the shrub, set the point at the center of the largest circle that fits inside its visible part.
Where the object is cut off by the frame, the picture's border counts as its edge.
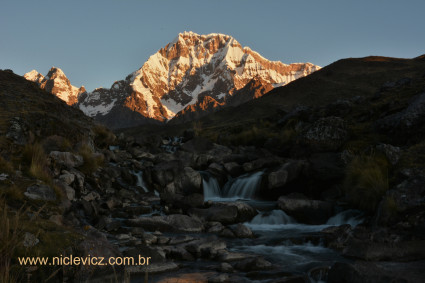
(57, 143)
(103, 137)
(35, 157)
(366, 181)
(92, 161)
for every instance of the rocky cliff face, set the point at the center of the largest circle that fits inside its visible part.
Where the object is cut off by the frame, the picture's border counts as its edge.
(58, 84)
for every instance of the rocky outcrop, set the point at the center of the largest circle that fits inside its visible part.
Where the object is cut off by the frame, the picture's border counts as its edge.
(306, 210)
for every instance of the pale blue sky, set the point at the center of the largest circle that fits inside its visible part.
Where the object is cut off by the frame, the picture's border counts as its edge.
(96, 42)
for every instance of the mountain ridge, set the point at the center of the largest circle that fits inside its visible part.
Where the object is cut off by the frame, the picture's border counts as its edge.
(181, 74)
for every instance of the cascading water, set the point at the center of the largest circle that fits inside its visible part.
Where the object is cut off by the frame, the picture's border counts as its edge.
(243, 187)
(140, 182)
(351, 216)
(210, 186)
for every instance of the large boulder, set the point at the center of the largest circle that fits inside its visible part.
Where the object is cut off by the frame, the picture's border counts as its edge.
(306, 210)
(66, 159)
(189, 181)
(406, 122)
(40, 192)
(326, 134)
(226, 213)
(184, 223)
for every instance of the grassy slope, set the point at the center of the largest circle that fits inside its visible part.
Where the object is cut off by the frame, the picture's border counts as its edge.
(345, 78)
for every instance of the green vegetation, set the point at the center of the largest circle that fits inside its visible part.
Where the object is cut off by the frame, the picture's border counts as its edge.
(366, 181)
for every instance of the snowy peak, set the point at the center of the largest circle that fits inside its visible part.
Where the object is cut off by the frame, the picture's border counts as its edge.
(194, 65)
(56, 83)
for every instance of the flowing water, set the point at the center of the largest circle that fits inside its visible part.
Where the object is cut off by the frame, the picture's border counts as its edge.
(296, 247)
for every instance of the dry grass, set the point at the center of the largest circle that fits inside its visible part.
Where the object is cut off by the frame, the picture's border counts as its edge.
(5, 166)
(10, 237)
(35, 157)
(366, 181)
(103, 137)
(92, 161)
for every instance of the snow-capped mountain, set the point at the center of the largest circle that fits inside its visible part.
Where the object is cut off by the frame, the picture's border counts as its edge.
(186, 70)
(57, 83)
(192, 69)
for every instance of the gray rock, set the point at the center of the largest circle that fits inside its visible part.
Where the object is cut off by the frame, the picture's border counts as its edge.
(233, 168)
(242, 231)
(391, 152)
(67, 177)
(40, 192)
(226, 213)
(306, 210)
(30, 240)
(184, 223)
(18, 131)
(326, 134)
(66, 159)
(277, 179)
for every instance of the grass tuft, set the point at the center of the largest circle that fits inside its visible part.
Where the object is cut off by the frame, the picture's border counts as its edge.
(35, 157)
(366, 181)
(92, 161)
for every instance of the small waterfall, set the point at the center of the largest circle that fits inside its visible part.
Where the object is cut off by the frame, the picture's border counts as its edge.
(140, 182)
(243, 187)
(274, 217)
(351, 216)
(210, 186)
(114, 147)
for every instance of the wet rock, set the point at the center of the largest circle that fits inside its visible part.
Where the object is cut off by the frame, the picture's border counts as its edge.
(262, 163)
(226, 212)
(326, 134)
(277, 179)
(335, 237)
(175, 252)
(66, 159)
(227, 233)
(225, 267)
(214, 227)
(189, 181)
(40, 192)
(306, 210)
(255, 263)
(233, 168)
(242, 231)
(206, 247)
